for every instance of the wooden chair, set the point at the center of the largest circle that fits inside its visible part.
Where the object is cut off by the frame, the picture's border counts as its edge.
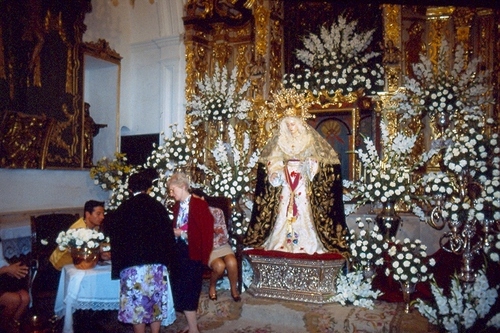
(45, 278)
(224, 204)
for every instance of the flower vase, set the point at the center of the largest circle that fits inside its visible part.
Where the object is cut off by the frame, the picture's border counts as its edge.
(407, 288)
(368, 270)
(85, 257)
(442, 122)
(388, 216)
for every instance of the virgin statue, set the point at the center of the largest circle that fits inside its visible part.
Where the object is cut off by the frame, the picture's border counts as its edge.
(298, 204)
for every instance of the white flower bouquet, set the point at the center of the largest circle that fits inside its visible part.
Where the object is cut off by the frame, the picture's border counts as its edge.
(177, 150)
(469, 186)
(443, 90)
(367, 245)
(234, 167)
(233, 172)
(459, 309)
(387, 177)
(409, 261)
(493, 250)
(337, 60)
(353, 288)
(79, 238)
(219, 97)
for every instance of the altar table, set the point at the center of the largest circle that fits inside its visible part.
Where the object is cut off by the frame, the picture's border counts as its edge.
(90, 289)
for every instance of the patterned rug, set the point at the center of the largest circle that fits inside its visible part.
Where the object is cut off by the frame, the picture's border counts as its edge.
(262, 315)
(268, 316)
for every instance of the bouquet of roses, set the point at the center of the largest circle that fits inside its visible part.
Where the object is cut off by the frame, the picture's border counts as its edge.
(408, 261)
(176, 151)
(387, 177)
(367, 245)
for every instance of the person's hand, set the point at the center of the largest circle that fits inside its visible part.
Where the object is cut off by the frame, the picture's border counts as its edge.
(177, 232)
(18, 270)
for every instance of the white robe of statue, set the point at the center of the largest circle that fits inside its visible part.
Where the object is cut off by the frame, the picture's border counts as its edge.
(292, 166)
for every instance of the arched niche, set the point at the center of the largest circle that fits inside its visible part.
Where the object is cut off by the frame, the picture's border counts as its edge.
(101, 97)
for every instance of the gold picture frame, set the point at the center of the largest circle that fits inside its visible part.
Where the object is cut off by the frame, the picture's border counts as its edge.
(344, 128)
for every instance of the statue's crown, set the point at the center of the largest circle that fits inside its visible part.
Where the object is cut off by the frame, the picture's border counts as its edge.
(288, 102)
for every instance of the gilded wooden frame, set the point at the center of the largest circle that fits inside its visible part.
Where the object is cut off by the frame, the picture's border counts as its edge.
(349, 117)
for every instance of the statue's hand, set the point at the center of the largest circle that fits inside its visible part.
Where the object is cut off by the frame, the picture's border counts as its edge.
(312, 166)
(275, 179)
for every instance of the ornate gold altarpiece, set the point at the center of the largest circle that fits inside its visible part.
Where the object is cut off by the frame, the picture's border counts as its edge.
(43, 121)
(260, 36)
(253, 35)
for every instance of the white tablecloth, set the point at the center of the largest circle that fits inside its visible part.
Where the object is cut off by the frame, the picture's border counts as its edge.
(90, 289)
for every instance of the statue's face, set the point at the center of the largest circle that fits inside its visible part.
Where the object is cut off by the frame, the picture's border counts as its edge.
(292, 126)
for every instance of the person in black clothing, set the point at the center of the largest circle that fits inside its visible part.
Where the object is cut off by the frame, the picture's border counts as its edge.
(142, 243)
(14, 296)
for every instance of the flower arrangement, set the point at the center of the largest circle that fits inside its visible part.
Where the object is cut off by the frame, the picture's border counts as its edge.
(82, 237)
(493, 250)
(458, 310)
(443, 90)
(176, 151)
(386, 178)
(219, 97)
(367, 245)
(408, 261)
(233, 172)
(108, 173)
(353, 288)
(469, 186)
(337, 60)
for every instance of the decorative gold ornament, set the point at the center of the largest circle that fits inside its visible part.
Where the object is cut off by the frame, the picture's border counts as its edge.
(290, 103)
(338, 100)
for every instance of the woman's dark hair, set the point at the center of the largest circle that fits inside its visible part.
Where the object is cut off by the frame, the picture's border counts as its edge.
(141, 181)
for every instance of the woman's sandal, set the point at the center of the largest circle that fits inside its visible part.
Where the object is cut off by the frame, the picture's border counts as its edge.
(212, 297)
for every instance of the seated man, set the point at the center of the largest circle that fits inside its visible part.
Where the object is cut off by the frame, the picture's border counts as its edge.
(14, 296)
(93, 217)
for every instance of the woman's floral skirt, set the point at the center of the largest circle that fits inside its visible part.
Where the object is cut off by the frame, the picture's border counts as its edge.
(145, 295)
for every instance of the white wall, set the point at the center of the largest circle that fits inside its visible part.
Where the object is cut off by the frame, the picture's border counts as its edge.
(149, 38)
(29, 190)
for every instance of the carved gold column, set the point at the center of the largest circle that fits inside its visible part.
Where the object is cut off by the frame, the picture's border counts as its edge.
(392, 60)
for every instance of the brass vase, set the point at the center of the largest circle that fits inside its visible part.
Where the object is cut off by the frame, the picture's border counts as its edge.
(85, 257)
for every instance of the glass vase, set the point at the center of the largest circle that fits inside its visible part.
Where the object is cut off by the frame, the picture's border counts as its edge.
(388, 220)
(85, 257)
(368, 270)
(407, 288)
